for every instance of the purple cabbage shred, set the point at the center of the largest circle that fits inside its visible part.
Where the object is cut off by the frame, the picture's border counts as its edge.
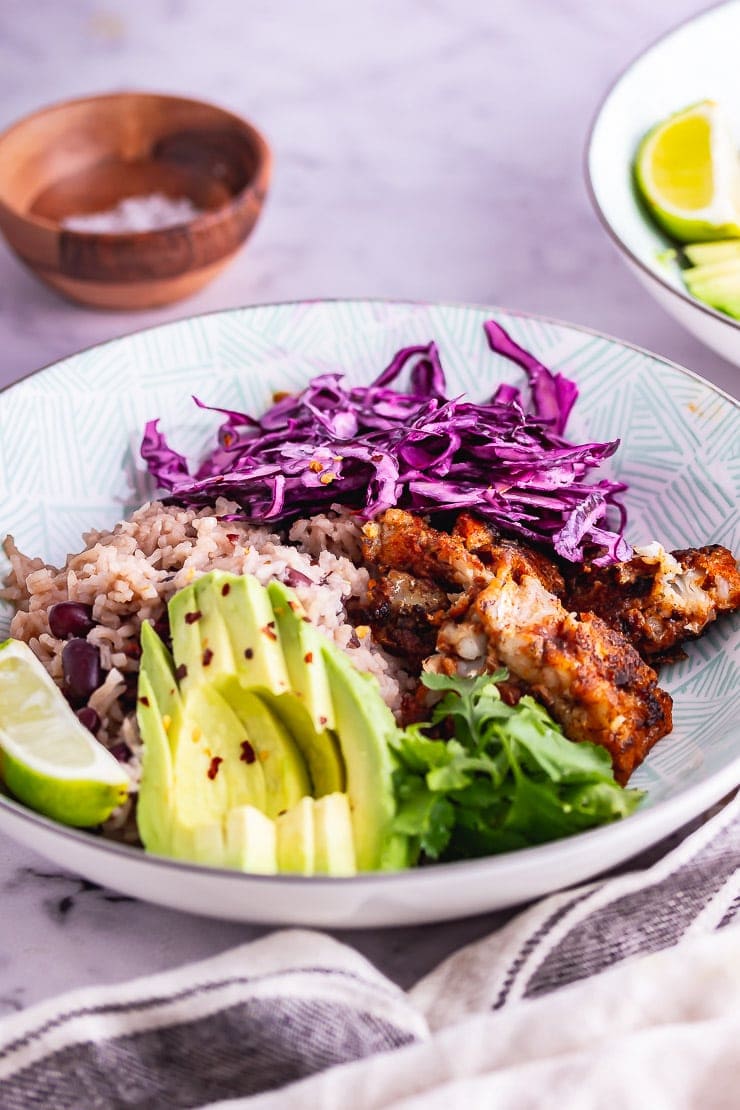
(370, 448)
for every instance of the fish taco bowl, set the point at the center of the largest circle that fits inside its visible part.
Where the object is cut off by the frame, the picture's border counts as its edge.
(446, 518)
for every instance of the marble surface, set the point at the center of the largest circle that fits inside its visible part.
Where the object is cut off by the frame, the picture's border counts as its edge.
(429, 149)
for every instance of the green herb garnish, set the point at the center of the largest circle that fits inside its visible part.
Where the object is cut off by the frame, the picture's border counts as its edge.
(508, 778)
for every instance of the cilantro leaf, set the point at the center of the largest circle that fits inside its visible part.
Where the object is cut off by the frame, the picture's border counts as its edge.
(507, 778)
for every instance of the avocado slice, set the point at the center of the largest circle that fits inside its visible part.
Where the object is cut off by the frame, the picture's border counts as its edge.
(157, 663)
(283, 766)
(716, 283)
(211, 623)
(301, 648)
(154, 806)
(159, 716)
(163, 825)
(186, 648)
(308, 711)
(259, 691)
(200, 843)
(722, 250)
(334, 849)
(295, 839)
(320, 749)
(217, 652)
(364, 725)
(212, 763)
(246, 612)
(251, 841)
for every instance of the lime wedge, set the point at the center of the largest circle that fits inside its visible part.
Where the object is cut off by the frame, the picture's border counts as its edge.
(688, 173)
(48, 759)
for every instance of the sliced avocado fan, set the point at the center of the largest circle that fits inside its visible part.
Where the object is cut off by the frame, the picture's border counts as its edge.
(264, 749)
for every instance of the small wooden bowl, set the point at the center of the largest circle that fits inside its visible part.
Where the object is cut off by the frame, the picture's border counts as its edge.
(85, 156)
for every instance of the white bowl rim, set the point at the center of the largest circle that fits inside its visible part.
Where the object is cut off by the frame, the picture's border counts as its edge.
(661, 816)
(635, 259)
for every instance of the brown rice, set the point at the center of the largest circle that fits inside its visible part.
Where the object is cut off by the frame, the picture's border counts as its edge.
(129, 573)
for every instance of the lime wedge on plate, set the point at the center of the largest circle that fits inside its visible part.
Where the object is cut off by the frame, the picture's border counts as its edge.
(48, 759)
(688, 173)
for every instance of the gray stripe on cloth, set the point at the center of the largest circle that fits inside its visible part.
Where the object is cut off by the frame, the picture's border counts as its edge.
(142, 1005)
(731, 913)
(531, 944)
(257, 1045)
(644, 920)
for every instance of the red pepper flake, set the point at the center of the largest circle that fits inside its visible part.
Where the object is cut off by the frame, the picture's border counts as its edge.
(191, 618)
(144, 700)
(133, 651)
(280, 395)
(227, 438)
(232, 536)
(248, 653)
(248, 753)
(308, 657)
(214, 766)
(225, 589)
(181, 672)
(322, 721)
(269, 632)
(207, 657)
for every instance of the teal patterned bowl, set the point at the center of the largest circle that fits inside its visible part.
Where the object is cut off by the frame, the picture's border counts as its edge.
(69, 438)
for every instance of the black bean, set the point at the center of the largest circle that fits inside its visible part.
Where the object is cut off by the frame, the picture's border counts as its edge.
(121, 751)
(89, 718)
(293, 577)
(81, 668)
(70, 618)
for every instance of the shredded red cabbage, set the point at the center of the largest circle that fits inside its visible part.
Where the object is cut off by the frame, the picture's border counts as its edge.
(372, 447)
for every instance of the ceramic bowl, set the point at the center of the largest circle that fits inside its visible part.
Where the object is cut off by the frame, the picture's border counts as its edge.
(697, 61)
(69, 462)
(86, 156)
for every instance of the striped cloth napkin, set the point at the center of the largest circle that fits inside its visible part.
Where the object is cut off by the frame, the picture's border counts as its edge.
(620, 993)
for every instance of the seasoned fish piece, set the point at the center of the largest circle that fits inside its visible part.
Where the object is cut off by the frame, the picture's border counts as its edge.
(593, 682)
(402, 612)
(508, 613)
(659, 599)
(483, 541)
(402, 541)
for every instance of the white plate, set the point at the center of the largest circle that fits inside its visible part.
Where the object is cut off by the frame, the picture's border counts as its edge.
(697, 61)
(69, 439)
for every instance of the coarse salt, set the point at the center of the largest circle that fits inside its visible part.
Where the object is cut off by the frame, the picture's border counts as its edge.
(144, 213)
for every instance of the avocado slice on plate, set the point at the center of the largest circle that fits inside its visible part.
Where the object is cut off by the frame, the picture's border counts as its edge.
(334, 849)
(295, 839)
(307, 711)
(302, 651)
(159, 713)
(319, 749)
(251, 841)
(154, 807)
(211, 763)
(364, 725)
(721, 250)
(268, 741)
(270, 720)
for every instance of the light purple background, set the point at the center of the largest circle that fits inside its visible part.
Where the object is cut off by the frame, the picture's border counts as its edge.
(424, 149)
